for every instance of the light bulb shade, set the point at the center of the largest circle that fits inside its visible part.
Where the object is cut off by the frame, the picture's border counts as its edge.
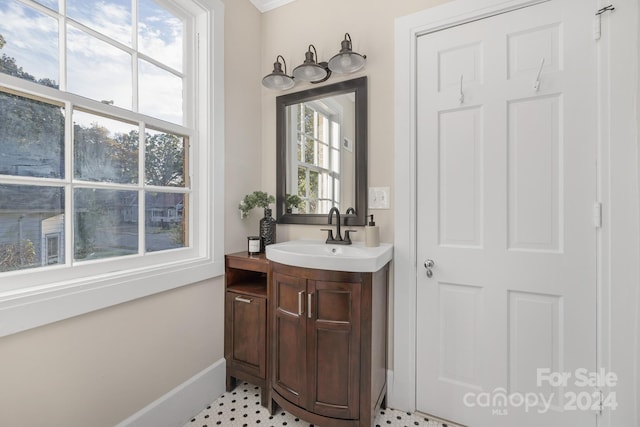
(309, 70)
(346, 61)
(278, 79)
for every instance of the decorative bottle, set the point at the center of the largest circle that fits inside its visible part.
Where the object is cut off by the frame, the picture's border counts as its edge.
(267, 229)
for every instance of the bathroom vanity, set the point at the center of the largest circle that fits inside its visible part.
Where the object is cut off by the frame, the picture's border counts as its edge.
(329, 344)
(313, 338)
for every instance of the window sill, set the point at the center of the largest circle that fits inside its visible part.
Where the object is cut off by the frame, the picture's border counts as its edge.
(33, 307)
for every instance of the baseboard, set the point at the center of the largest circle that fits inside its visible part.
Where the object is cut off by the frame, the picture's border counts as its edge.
(179, 405)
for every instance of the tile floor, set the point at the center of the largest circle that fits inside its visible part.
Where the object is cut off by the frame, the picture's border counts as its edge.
(241, 408)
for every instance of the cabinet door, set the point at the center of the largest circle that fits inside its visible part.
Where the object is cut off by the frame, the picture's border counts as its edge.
(334, 349)
(289, 337)
(247, 323)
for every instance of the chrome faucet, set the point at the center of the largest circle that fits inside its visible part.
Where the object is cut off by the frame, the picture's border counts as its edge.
(338, 240)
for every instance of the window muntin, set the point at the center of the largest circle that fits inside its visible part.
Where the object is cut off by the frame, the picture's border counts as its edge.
(123, 177)
(142, 75)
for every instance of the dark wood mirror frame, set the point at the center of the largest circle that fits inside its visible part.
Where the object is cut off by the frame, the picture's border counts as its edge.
(359, 87)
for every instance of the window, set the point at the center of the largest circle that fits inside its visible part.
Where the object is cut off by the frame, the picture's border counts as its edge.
(107, 142)
(317, 130)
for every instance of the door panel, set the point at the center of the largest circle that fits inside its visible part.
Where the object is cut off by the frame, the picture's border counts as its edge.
(248, 343)
(289, 337)
(506, 186)
(334, 349)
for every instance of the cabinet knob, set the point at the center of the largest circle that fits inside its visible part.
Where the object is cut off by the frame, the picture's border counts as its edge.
(244, 300)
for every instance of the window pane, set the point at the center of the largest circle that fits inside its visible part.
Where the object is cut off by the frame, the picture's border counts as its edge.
(111, 18)
(165, 225)
(98, 70)
(335, 134)
(323, 155)
(28, 44)
(160, 34)
(299, 149)
(27, 215)
(164, 159)
(105, 150)
(105, 223)
(160, 93)
(313, 185)
(32, 137)
(323, 128)
(309, 120)
(335, 161)
(309, 151)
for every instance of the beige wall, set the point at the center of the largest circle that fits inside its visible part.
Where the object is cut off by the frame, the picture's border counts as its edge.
(289, 30)
(98, 369)
(243, 133)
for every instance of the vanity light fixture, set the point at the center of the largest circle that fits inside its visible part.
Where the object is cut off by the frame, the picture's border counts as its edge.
(346, 61)
(310, 70)
(278, 79)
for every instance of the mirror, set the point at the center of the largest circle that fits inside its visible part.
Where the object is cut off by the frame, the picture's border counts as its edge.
(321, 149)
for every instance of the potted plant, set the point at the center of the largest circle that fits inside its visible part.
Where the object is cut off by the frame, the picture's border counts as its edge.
(260, 199)
(292, 201)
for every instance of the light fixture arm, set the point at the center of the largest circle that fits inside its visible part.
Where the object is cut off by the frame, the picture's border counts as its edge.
(283, 61)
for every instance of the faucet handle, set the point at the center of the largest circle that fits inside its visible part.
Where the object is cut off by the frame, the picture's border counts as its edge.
(329, 234)
(347, 237)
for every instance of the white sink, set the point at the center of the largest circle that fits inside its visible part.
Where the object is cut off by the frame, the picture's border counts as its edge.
(317, 254)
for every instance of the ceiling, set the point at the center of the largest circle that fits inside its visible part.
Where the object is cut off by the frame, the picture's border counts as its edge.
(267, 5)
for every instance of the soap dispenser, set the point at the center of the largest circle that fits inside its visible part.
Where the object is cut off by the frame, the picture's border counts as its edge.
(372, 234)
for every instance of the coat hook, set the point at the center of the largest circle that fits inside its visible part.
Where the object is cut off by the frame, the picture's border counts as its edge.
(536, 84)
(461, 93)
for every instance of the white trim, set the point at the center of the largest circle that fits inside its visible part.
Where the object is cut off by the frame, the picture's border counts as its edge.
(618, 189)
(183, 402)
(267, 5)
(60, 298)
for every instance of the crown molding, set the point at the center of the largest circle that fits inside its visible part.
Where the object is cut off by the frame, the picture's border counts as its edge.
(267, 5)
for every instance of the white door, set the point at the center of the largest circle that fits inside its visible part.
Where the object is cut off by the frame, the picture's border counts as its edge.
(506, 192)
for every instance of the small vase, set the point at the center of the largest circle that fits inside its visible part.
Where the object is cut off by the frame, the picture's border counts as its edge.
(267, 229)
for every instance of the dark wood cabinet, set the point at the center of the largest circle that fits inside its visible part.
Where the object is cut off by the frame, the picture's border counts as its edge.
(328, 344)
(246, 320)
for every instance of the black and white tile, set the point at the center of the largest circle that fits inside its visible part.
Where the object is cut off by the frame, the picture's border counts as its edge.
(241, 408)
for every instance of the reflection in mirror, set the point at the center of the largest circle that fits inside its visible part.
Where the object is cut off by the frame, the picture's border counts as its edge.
(321, 172)
(322, 153)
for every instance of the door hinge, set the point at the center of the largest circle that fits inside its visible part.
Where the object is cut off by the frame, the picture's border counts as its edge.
(597, 214)
(597, 21)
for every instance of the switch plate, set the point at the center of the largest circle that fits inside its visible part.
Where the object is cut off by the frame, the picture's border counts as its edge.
(379, 197)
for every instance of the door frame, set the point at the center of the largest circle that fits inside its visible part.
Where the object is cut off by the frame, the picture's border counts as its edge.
(618, 239)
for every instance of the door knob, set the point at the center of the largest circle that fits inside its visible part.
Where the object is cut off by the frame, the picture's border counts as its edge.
(428, 265)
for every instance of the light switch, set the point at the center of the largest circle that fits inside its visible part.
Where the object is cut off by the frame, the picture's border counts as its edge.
(379, 197)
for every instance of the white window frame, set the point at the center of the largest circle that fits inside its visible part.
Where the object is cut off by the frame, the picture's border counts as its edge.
(28, 301)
